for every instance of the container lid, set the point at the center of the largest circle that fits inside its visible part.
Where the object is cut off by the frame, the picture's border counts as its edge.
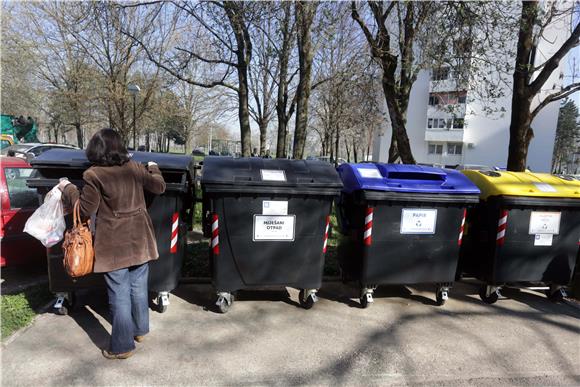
(524, 184)
(253, 174)
(404, 178)
(76, 158)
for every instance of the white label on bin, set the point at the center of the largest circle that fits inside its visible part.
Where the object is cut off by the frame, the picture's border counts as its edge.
(545, 187)
(544, 222)
(275, 207)
(273, 175)
(274, 228)
(418, 221)
(543, 239)
(369, 173)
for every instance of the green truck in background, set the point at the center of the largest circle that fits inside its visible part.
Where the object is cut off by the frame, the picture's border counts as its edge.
(17, 129)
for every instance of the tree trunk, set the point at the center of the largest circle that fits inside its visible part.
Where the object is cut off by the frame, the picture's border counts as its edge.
(520, 130)
(393, 151)
(235, 13)
(520, 134)
(305, 12)
(354, 152)
(281, 141)
(263, 125)
(282, 96)
(397, 118)
(244, 112)
(336, 146)
(79, 131)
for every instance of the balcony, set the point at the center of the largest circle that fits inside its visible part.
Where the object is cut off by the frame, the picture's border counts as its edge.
(444, 135)
(446, 85)
(446, 111)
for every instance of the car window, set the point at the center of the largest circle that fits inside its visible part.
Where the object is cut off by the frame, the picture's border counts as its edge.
(20, 195)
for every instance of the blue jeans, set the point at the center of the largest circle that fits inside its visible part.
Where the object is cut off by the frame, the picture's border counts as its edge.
(129, 306)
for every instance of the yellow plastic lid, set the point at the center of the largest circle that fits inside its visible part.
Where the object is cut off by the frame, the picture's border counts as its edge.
(503, 183)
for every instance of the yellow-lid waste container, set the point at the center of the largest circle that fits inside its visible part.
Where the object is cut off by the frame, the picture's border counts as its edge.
(526, 229)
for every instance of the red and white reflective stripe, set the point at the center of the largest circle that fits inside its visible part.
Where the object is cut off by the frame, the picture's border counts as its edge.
(326, 234)
(174, 233)
(215, 231)
(367, 236)
(461, 228)
(501, 227)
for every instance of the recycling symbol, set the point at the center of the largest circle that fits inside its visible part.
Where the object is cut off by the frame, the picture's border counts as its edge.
(418, 224)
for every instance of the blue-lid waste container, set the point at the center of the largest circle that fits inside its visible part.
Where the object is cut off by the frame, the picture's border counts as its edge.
(268, 222)
(402, 225)
(171, 214)
(525, 232)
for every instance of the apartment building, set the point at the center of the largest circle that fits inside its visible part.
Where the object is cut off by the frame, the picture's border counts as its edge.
(448, 124)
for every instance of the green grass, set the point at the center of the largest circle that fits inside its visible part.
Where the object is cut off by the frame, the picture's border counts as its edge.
(18, 310)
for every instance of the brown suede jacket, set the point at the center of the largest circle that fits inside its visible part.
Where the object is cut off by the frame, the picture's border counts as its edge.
(124, 233)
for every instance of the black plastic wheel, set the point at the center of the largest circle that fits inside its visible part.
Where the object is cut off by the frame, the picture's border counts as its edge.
(223, 307)
(62, 311)
(492, 298)
(306, 304)
(160, 307)
(440, 299)
(364, 302)
(556, 296)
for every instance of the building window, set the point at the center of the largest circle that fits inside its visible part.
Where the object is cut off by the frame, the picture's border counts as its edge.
(442, 123)
(435, 149)
(462, 98)
(430, 123)
(440, 74)
(454, 148)
(433, 100)
(458, 123)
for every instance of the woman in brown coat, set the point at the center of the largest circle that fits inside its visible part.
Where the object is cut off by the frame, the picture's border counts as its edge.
(124, 240)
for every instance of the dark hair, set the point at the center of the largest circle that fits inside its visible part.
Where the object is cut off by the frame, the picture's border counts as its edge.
(106, 149)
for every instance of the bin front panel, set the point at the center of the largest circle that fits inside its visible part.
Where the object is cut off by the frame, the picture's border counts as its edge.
(164, 272)
(519, 257)
(245, 262)
(395, 257)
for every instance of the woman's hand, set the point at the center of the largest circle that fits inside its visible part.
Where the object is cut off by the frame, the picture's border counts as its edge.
(63, 182)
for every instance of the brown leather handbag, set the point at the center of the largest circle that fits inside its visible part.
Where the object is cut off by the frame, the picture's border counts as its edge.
(79, 256)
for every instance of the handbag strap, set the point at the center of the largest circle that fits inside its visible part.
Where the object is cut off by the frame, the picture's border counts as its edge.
(77, 213)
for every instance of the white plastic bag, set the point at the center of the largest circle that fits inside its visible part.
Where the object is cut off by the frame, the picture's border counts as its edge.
(47, 223)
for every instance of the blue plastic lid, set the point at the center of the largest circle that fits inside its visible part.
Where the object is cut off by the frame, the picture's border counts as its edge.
(404, 178)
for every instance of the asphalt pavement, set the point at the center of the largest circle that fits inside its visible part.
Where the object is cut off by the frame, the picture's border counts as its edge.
(267, 339)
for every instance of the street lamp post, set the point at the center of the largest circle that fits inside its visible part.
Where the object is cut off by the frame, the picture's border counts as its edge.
(134, 90)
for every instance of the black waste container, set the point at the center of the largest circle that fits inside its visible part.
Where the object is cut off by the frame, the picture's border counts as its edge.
(402, 225)
(171, 213)
(525, 232)
(268, 223)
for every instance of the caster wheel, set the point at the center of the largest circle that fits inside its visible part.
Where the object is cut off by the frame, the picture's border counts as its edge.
(62, 311)
(440, 299)
(306, 304)
(224, 306)
(556, 296)
(160, 307)
(364, 302)
(491, 299)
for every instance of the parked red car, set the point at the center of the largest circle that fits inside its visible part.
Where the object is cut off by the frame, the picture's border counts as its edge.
(18, 202)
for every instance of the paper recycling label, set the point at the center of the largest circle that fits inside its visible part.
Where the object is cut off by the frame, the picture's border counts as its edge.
(543, 239)
(418, 221)
(275, 207)
(369, 173)
(545, 187)
(544, 222)
(272, 175)
(274, 228)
